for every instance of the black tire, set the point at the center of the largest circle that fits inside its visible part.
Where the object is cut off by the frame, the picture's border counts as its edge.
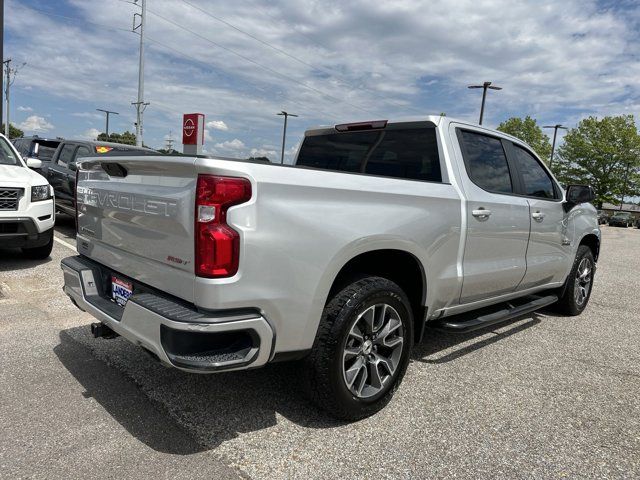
(569, 303)
(39, 253)
(324, 370)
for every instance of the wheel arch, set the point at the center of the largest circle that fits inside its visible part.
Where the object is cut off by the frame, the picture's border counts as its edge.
(399, 266)
(592, 241)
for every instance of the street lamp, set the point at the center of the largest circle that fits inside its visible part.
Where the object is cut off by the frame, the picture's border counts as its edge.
(553, 146)
(108, 112)
(284, 132)
(484, 87)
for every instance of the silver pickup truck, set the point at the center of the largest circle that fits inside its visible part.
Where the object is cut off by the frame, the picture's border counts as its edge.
(342, 261)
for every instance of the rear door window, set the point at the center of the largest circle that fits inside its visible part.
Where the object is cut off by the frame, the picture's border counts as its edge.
(410, 153)
(66, 155)
(45, 149)
(81, 151)
(486, 162)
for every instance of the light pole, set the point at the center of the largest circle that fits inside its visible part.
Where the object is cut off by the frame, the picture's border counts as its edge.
(284, 132)
(484, 87)
(108, 112)
(553, 145)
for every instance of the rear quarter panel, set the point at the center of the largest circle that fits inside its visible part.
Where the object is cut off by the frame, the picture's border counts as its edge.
(302, 226)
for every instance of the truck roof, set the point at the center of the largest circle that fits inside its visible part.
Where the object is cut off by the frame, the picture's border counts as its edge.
(436, 119)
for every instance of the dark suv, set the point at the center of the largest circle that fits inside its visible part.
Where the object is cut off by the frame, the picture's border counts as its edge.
(36, 147)
(61, 171)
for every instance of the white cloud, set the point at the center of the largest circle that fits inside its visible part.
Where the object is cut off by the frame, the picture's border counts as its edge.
(358, 60)
(89, 115)
(25, 109)
(235, 145)
(207, 136)
(91, 134)
(34, 123)
(217, 125)
(264, 152)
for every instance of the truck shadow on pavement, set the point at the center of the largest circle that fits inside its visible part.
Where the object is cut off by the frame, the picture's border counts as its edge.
(456, 345)
(180, 413)
(12, 259)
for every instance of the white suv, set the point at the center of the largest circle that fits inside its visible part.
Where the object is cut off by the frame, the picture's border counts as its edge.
(27, 211)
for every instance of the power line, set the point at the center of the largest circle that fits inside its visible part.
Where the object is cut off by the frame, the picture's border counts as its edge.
(264, 67)
(77, 20)
(293, 57)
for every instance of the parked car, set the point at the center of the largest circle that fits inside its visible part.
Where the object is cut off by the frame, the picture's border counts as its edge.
(621, 219)
(61, 171)
(26, 204)
(339, 261)
(38, 148)
(603, 217)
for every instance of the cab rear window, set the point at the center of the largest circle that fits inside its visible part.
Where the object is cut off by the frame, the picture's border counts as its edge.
(410, 153)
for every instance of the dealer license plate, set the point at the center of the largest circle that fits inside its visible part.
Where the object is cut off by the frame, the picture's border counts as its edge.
(120, 290)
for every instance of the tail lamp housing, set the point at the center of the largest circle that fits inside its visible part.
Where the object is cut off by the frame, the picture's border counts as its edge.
(217, 245)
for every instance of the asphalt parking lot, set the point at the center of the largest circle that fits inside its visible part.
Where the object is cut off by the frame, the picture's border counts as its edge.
(543, 397)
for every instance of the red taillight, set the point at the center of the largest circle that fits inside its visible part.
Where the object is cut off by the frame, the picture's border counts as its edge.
(217, 247)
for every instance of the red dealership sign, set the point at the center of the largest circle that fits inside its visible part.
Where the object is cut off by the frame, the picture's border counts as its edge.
(193, 129)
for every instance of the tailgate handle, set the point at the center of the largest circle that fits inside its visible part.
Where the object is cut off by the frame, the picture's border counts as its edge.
(114, 169)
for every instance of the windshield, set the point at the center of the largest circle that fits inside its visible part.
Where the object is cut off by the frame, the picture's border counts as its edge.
(44, 149)
(7, 155)
(621, 215)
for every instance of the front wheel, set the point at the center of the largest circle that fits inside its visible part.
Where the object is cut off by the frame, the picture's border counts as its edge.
(579, 283)
(362, 349)
(40, 253)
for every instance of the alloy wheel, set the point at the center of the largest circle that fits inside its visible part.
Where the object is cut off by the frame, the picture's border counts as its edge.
(372, 350)
(583, 281)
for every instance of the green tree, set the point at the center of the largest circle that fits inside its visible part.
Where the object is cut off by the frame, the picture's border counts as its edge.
(603, 153)
(14, 132)
(529, 132)
(127, 138)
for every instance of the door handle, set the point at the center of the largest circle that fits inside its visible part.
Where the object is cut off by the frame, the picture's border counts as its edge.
(538, 216)
(481, 213)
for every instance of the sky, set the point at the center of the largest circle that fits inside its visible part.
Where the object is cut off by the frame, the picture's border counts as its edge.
(242, 62)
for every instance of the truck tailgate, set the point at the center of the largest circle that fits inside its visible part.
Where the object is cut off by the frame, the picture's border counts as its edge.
(136, 216)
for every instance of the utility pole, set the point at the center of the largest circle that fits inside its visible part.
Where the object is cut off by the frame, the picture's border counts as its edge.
(108, 112)
(7, 76)
(1, 51)
(284, 132)
(7, 89)
(484, 87)
(140, 104)
(555, 134)
(168, 146)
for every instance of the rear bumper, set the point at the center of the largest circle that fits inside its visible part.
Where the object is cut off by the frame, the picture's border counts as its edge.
(22, 232)
(178, 334)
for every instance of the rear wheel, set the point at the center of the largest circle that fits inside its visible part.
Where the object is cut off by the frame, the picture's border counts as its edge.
(579, 283)
(362, 349)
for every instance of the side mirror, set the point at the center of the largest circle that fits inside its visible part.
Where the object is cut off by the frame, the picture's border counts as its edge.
(577, 194)
(34, 163)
